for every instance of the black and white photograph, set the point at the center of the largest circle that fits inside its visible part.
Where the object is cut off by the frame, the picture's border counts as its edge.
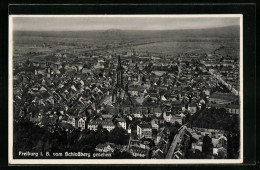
(125, 89)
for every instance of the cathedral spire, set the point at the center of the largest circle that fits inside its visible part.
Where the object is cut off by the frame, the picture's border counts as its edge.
(119, 66)
(119, 74)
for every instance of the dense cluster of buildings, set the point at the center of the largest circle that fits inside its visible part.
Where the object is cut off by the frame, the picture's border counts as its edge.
(139, 94)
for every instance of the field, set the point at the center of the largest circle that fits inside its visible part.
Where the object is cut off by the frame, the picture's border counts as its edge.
(37, 45)
(185, 46)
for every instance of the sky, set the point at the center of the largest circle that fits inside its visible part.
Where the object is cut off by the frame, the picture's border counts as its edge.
(76, 23)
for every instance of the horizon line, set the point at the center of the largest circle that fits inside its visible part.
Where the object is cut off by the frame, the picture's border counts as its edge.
(129, 29)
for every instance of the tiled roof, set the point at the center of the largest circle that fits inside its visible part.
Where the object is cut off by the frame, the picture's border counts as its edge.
(157, 109)
(105, 145)
(66, 125)
(232, 106)
(138, 150)
(120, 119)
(144, 126)
(107, 116)
(107, 122)
(192, 105)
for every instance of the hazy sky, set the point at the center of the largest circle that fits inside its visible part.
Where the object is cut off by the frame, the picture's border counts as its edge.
(124, 23)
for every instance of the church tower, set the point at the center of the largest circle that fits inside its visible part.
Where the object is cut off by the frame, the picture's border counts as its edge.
(119, 74)
(119, 89)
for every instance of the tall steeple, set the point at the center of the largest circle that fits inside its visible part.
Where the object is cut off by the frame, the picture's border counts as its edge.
(119, 74)
(120, 92)
(119, 62)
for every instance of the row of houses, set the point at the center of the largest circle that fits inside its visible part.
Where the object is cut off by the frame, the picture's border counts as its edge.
(135, 151)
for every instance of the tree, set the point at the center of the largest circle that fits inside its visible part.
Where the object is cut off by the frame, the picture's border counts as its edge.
(233, 146)
(99, 128)
(73, 137)
(87, 143)
(117, 154)
(118, 136)
(215, 119)
(173, 132)
(188, 88)
(194, 155)
(207, 146)
(230, 152)
(236, 145)
(177, 125)
(221, 155)
(27, 62)
(143, 79)
(29, 137)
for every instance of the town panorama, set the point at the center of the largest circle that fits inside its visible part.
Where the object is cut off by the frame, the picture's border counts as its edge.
(122, 94)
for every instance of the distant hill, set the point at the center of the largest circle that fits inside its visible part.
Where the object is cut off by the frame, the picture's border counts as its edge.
(229, 32)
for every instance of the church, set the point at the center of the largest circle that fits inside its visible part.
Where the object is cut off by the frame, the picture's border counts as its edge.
(120, 95)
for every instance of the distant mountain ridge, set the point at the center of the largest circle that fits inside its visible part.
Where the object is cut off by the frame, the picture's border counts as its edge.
(229, 31)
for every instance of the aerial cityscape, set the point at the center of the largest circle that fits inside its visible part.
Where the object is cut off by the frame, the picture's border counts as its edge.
(118, 93)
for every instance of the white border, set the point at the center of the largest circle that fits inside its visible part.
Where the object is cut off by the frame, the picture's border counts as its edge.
(134, 16)
(12, 161)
